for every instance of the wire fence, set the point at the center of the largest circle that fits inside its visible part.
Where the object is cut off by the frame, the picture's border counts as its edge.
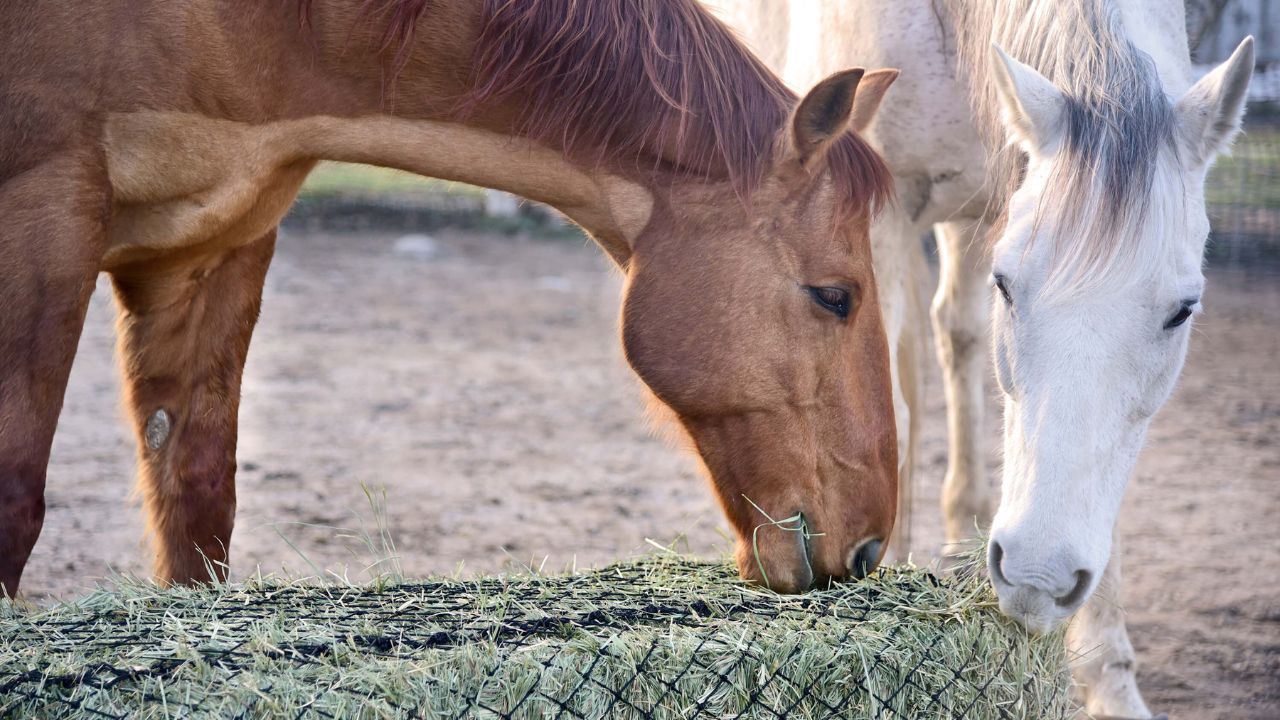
(660, 638)
(1243, 197)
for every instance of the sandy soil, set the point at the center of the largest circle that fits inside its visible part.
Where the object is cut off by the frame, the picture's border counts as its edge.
(479, 381)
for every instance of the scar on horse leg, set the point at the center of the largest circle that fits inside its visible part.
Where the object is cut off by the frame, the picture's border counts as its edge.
(51, 242)
(184, 335)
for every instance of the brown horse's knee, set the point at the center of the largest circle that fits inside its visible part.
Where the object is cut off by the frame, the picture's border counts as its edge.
(21, 517)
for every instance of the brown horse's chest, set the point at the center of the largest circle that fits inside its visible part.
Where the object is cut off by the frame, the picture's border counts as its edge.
(183, 182)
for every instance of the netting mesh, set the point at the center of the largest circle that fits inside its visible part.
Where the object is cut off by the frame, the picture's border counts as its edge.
(659, 638)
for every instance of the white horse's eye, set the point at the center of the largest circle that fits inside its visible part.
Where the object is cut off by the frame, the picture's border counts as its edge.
(1181, 316)
(999, 281)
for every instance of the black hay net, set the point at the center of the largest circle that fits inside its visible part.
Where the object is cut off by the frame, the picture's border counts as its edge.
(656, 638)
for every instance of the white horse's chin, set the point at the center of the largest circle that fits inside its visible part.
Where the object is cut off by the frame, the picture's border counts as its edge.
(1032, 608)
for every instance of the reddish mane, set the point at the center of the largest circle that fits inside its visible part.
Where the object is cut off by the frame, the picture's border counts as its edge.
(626, 80)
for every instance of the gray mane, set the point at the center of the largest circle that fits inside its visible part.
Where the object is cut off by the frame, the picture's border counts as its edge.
(1118, 116)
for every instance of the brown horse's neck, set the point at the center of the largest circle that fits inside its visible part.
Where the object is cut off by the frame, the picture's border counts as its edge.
(629, 88)
(656, 91)
(447, 106)
(327, 96)
(639, 97)
(646, 85)
(612, 208)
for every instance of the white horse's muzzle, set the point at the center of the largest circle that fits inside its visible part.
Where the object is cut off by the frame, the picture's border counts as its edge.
(1037, 595)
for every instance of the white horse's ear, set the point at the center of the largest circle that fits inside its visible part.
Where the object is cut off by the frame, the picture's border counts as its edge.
(1034, 110)
(1209, 114)
(870, 93)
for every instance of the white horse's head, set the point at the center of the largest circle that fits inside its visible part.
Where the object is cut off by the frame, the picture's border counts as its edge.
(1097, 279)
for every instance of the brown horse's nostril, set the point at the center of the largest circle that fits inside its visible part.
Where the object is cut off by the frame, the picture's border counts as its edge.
(777, 554)
(864, 559)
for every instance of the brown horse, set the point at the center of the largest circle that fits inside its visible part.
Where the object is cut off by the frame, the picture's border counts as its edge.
(162, 142)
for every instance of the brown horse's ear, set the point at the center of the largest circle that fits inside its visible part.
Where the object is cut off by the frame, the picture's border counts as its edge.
(870, 92)
(823, 115)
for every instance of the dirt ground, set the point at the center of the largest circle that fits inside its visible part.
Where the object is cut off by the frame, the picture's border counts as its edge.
(479, 381)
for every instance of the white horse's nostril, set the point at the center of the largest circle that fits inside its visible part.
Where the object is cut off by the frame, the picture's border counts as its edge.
(1084, 578)
(995, 557)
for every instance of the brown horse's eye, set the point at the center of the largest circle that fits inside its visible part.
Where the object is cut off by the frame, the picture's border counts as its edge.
(833, 299)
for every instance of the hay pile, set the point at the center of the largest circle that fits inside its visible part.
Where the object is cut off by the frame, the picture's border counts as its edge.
(661, 637)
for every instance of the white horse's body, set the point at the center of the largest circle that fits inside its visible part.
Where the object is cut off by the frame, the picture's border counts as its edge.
(1082, 374)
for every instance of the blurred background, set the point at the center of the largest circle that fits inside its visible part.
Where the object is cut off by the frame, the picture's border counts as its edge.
(443, 364)
(1244, 193)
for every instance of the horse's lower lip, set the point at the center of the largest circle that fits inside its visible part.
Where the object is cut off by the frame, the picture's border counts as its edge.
(1034, 610)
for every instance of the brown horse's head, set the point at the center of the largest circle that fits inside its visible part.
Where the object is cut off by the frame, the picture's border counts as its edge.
(758, 324)
(740, 214)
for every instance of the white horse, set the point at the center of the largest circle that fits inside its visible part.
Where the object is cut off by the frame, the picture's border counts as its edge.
(1073, 130)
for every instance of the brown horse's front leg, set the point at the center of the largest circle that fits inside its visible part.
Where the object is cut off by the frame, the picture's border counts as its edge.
(184, 334)
(51, 241)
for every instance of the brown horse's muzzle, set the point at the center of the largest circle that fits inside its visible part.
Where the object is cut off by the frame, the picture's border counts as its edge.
(784, 555)
(778, 555)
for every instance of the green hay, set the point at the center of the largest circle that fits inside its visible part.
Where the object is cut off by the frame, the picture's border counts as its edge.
(661, 637)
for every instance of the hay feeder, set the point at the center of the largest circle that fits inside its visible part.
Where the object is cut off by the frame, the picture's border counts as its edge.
(659, 637)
